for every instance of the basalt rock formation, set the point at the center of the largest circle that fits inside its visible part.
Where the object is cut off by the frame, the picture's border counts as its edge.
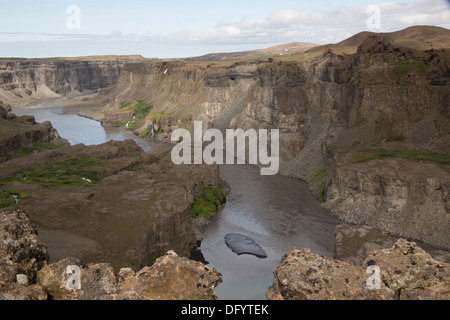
(26, 80)
(26, 275)
(406, 273)
(23, 132)
(368, 131)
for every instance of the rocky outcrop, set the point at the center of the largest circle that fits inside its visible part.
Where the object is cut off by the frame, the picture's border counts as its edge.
(21, 256)
(169, 278)
(354, 243)
(111, 202)
(400, 197)
(406, 272)
(23, 132)
(23, 81)
(26, 275)
(327, 108)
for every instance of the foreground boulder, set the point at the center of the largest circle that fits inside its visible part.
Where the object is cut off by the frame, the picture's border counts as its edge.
(170, 278)
(21, 256)
(353, 244)
(406, 272)
(26, 275)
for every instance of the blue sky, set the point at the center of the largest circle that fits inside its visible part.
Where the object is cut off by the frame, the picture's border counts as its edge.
(175, 28)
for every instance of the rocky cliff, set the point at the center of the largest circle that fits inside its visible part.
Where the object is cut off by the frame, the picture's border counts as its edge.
(368, 131)
(111, 202)
(23, 81)
(21, 135)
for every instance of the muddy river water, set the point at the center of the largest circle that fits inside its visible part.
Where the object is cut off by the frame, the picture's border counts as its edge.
(278, 213)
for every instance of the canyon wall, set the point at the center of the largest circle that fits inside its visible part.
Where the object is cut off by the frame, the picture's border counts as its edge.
(328, 109)
(331, 110)
(25, 81)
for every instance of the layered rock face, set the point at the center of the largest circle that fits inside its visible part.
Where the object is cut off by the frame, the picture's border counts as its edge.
(27, 80)
(23, 132)
(327, 109)
(110, 202)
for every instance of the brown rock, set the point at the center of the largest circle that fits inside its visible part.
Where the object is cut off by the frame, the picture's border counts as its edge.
(19, 292)
(412, 271)
(21, 251)
(303, 275)
(173, 278)
(406, 272)
(96, 282)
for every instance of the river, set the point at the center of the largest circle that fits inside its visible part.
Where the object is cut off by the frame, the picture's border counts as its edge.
(279, 213)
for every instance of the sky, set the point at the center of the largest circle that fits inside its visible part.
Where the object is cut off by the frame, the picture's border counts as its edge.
(185, 28)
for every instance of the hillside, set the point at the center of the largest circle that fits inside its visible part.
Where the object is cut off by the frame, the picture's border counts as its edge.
(289, 48)
(416, 37)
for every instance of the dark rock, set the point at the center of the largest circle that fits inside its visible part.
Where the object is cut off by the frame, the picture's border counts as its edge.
(241, 244)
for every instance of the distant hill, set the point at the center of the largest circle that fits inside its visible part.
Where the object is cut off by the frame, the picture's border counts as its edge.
(289, 48)
(417, 37)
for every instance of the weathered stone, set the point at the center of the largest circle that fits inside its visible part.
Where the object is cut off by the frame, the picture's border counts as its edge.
(97, 281)
(407, 266)
(406, 272)
(173, 278)
(20, 292)
(22, 279)
(303, 275)
(55, 279)
(21, 251)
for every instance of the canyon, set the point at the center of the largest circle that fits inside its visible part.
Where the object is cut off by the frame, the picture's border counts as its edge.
(367, 129)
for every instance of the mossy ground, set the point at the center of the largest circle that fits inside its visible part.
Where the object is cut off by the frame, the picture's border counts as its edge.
(37, 147)
(71, 172)
(209, 202)
(9, 198)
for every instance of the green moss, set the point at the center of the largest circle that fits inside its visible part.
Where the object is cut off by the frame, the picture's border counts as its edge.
(396, 138)
(320, 177)
(142, 109)
(22, 151)
(209, 202)
(359, 120)
(145, 133)
(44, 146)
(37, 147)
(72, 172)
(371, 154)
(263, 56)
(160, 131)
(403, 68)
(9, 198)
(125, 104)
(158, 116)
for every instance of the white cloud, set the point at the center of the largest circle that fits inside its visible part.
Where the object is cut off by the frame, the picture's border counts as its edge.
(283, 26)
(328, 26)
